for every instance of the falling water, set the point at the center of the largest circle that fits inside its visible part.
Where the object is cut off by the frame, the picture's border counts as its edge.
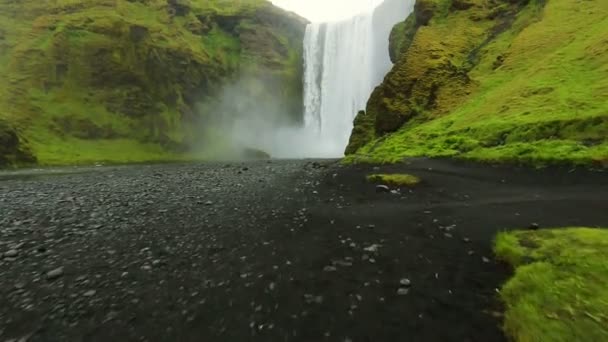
(343, 62)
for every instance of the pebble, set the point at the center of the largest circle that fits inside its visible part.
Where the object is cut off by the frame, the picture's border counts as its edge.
(329, 269)
(54, 274)
(403, 291)
(17, 246)
(486, 260)
(11, 253)
(90, 293)
(534, 226)
(313, 299)
(382, 188)
(342, 263)
(373, 248)
(405, 282)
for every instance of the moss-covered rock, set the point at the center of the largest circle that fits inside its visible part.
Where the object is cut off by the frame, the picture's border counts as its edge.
(13, 151)
(498, 80)
(137, 71)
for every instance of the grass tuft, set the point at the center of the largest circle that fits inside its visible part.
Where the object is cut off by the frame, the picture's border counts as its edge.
(397, 179)
(559, 290)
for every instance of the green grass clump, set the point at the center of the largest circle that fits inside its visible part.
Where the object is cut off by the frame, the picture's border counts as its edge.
(397, 179)
(560, 288)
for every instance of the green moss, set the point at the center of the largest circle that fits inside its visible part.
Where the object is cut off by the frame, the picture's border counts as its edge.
(13, 150)
(135, 73)
(397, 179)
(558, 292)
(501, 84)
(402, 37)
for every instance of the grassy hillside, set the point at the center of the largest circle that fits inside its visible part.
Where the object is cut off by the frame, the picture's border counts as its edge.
(493, 80)
(119, 81)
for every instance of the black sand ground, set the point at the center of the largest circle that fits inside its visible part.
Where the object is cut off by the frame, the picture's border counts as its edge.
(279, 251)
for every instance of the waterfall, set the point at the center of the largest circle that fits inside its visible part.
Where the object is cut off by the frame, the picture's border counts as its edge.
(343, 62)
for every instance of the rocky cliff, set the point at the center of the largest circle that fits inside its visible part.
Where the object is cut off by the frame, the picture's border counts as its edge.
(134, 80)
(493, 80)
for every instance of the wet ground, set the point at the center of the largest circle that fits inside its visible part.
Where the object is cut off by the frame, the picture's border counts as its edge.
(270, 251)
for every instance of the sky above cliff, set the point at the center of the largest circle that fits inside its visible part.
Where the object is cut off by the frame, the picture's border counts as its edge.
(327, 10)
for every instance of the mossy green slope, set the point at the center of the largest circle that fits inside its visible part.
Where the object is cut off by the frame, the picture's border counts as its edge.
(122, 81)
(559, 291)
(493, 80)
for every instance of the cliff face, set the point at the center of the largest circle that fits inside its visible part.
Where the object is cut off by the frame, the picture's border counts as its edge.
(492, 80)
(121, 80)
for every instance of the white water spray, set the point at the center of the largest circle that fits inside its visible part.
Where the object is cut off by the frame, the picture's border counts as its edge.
(343, 62)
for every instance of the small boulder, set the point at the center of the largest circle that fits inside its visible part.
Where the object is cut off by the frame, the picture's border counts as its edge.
(382, 188)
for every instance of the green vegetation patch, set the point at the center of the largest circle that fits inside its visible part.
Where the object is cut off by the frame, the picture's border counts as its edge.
(123, 81)
(560, 288)
(397, 179)
(523, 82)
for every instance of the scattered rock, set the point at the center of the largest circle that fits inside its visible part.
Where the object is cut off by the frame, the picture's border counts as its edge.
(405, 282)
(534, 226)
(313, 299)
(11, 253)
(90, 293)
(373, 248)
(342, 263)
(329, 269)
(54, 274)
(484, 259)
(382, 188)
(403, 291)
(18, 245)
(208, 203)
